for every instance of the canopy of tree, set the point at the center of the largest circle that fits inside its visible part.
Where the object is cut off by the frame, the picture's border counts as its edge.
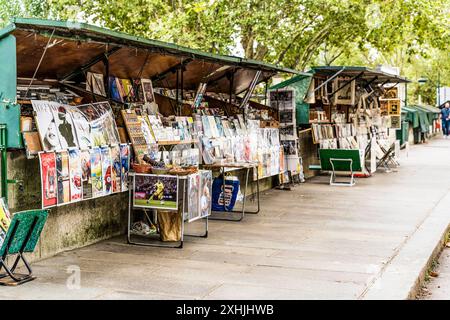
(413, 35)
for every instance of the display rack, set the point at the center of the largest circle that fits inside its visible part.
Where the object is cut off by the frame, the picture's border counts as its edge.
(151, 240)
(227, 167)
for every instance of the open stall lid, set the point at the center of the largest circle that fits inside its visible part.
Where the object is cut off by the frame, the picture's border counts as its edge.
(357, 72)
(73, 48)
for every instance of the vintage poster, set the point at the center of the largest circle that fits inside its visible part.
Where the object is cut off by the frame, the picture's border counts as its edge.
(205, 192)
(96, 172)
(48, 179)
(66, 129)
(48, 131)
(193, 197)
(86, 177)
(106, 170)
(75, 173)
(82, 127)
(62, 173)
(108, 124)
(124, 165)
(116, 169)
(156, 191)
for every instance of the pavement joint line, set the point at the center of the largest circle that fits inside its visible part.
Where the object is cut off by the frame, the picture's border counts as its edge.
(402, 244)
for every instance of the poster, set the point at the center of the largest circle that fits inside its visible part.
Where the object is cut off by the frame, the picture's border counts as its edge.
(82, 127)
(156, 191)
(48, 131)
(116, 169)
(48, 179)
(75, 174)
(103, 128)
(124, 165)
(106, 170)
(62, 173)
(86, 177)
(205, 192)
(65, 127)
(345, 91)
(193, 196)
(96, 172)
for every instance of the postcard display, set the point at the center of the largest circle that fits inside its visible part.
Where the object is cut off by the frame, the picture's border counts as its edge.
(82, 157)
(284, 101)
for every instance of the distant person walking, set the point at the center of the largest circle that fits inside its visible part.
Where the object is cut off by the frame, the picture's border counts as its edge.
(445, 118)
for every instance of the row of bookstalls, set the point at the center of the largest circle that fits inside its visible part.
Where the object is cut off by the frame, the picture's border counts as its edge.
(347, 108)
(101, 125)
(112, 132)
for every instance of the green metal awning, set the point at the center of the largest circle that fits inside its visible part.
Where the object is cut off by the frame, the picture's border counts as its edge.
(73, 45)
(363, 73)
(412, 116)
(424, 118)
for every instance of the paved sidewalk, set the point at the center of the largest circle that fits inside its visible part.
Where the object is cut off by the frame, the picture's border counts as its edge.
(315, 242)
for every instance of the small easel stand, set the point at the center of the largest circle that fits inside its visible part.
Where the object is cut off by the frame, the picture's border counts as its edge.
(22, 236)
(152, 240)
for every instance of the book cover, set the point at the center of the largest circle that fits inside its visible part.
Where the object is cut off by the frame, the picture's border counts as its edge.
(96, 172)
(106, 170)
(124, 165)
(86, 178)
(116, 169)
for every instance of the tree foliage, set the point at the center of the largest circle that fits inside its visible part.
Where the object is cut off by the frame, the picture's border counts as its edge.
(411, 34)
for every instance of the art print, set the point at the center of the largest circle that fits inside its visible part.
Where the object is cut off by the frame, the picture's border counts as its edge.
(65, 127)
(106, 170)
(47, 128)
(124, 165)
(75, 174)
(96, 172)
(49, 187)
(156, 191)
(116, 169)
(86, 176)
(205, 193)
(63, 177)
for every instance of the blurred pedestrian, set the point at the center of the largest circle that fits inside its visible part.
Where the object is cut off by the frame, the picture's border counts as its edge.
(445, 118)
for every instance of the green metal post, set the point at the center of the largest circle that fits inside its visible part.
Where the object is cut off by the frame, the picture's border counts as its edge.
(4, 165)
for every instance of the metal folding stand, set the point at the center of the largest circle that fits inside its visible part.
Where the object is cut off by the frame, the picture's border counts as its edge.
(219, 215)
(157, 242)
(387, 158)
(22, 236)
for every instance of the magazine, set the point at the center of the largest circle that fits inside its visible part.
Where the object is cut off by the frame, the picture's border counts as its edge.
(49, 186)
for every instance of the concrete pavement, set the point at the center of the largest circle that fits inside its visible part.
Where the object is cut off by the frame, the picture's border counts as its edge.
(371, 241)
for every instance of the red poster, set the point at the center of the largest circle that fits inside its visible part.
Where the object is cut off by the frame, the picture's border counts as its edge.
(48, 179)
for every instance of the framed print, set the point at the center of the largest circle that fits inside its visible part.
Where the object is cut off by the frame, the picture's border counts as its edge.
(394, 108)
(147, 90)
(46, 125)
(155, 191)
(345, 95)
(96, 172)
(49, 188)
(63, 178)
(75, 174)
